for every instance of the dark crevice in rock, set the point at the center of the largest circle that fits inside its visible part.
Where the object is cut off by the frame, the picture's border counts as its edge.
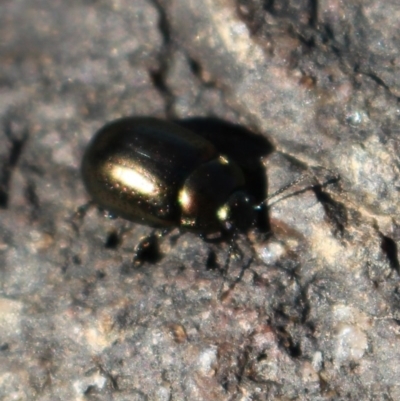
(89, 390)
(389, 247)
(379, 81)
(288, 344)
(195, 67)
(4, 347)
(313, 13)
(335, 212)
(158, 74)
(306, 308)
(374, 77)
(33, 199)
(113, 380)
(252, 13)
(158, 78)
(307, 40)
(163, 23)
(76, 260)
(211, 262)
(197, 70)
(100, 275)
(112, 241)
(17, 143)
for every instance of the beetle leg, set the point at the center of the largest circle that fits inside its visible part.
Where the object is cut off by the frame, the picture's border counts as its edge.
(233, 249)
(147, 250)
(79, 215)
(225, 294)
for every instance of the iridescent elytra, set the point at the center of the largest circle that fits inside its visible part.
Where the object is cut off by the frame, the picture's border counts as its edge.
(160, 174)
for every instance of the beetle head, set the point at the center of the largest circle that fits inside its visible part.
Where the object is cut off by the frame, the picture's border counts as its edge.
(238, 212)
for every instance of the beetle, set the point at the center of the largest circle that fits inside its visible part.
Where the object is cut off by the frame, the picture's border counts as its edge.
(160, 174)
(164, 175)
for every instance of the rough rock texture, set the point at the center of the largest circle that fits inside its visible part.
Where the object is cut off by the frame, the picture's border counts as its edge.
(309, 312)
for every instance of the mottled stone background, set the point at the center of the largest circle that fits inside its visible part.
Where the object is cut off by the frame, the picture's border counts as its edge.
(315, 316)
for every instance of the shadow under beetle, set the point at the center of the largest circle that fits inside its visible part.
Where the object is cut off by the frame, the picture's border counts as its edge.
(164, 175)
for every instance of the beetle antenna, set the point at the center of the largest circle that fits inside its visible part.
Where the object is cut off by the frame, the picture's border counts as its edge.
(335, 177)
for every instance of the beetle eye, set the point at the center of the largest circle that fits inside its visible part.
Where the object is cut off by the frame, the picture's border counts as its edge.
(237, 212)
(223, 213)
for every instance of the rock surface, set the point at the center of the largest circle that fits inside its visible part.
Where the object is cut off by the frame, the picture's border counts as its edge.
(310, 311)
